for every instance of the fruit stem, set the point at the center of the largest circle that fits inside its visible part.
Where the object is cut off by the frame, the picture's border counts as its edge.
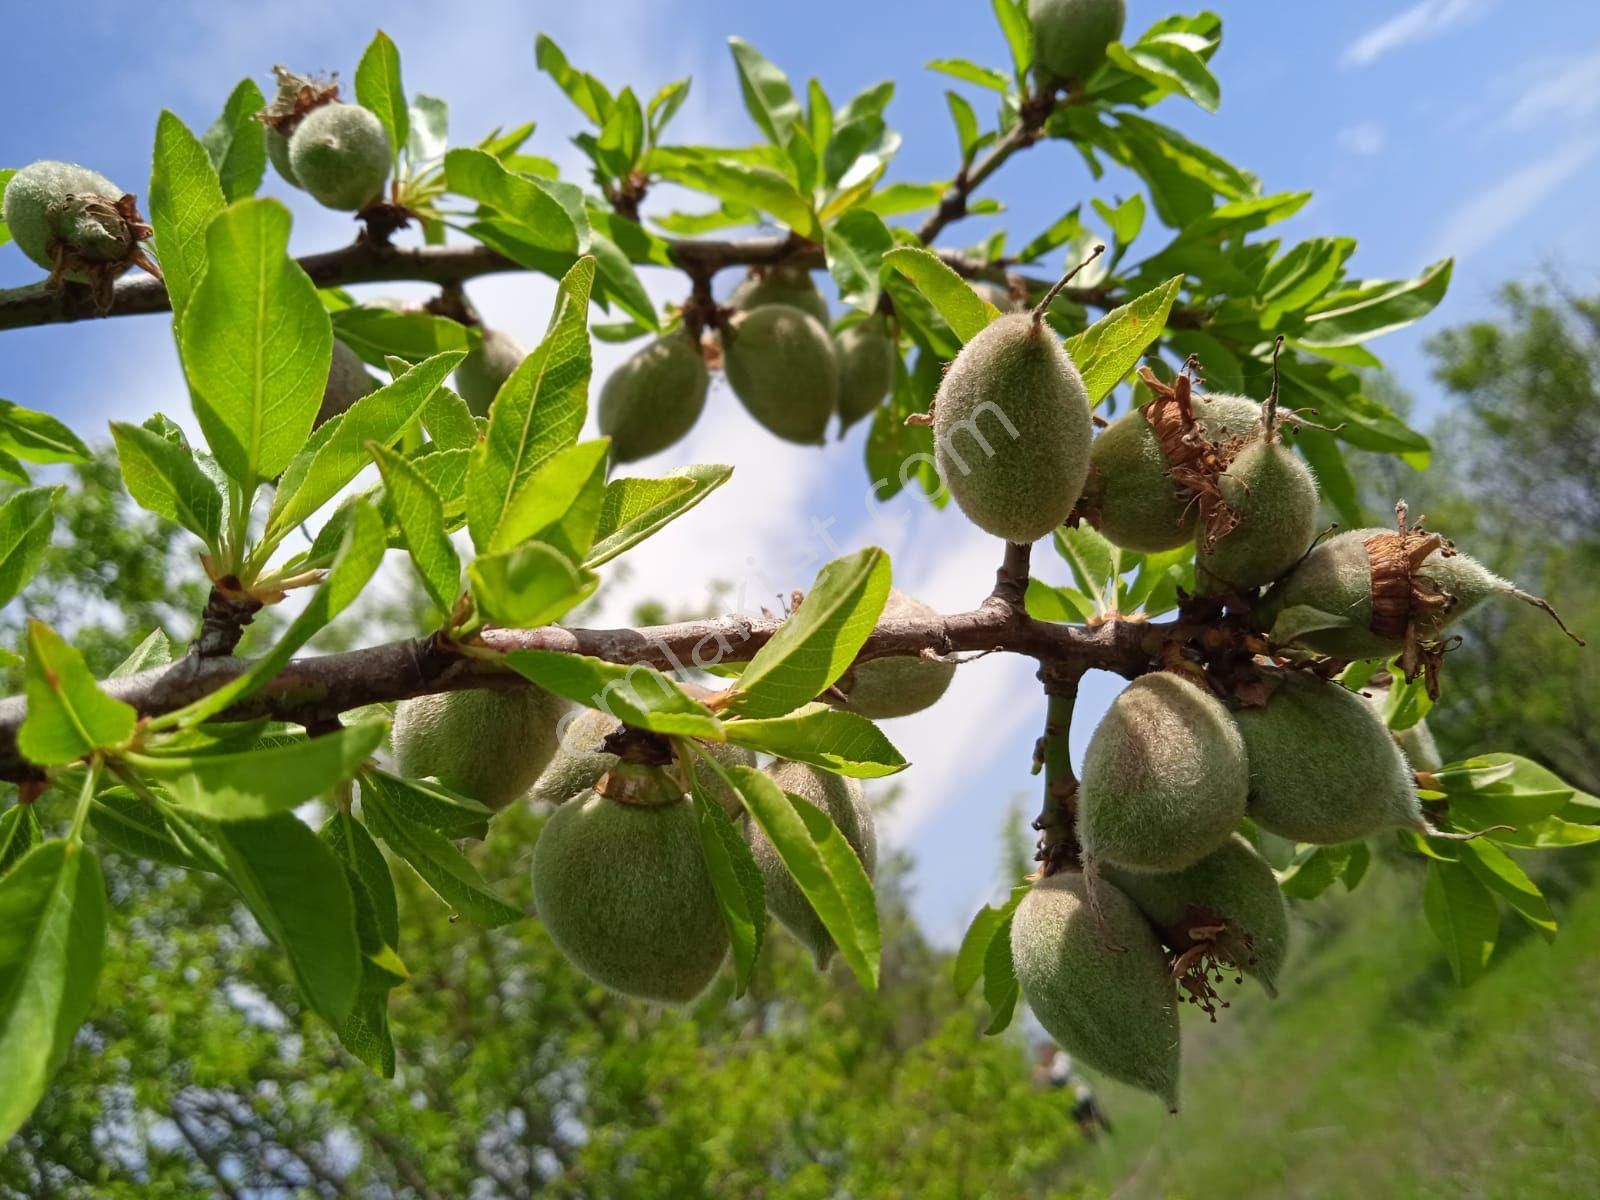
(1044, 305)
(1269, 410)
(1057, 819)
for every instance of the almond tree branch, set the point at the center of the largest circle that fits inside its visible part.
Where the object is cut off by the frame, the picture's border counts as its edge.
(316, 689)
(366, 262)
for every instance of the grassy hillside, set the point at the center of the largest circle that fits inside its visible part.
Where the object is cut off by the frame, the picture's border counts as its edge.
(1374, 1075)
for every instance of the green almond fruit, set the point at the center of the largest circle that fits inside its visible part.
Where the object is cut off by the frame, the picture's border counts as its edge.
(1272, 496)
(1232, 887)
(340, 154)
(653, 399)
(348, 381)
(624, 892)
(1164, 777)
(899, 686)
(485, 744)
(484, 370)
(1095, 976)
(48, 202)
(1012, 430)
(1070, 36)
(781, 285)
(867, 356)
(842, 799)
(1130, 484)
(780, 363)
(1323, 768)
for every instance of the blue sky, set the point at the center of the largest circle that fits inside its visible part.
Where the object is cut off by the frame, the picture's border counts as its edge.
(1425, 129)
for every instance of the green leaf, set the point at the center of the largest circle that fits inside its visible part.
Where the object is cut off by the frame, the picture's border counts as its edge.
(855, 246)
(971, 72)
(430, 804)
(38, 437)
(587, 92)
(133, 825)
(737, 881)
(966, 122)
(767, 94)
(359, 556)
(1406, 703)
(20, 832)
(823, 864)
(1375, 308)
(1171, 66)
(1000, 987)
(1513, 790)
(1069, 227)
(420, 514)
(236, 142)
(819, 640)
(297, 891)
(843, 742)
(1333, 474)
(1094, 561)
(164, 478)
(529, 586)
(986, 925)
(756, 187)
(6, 175)
(1013, 19)
(1110, 348)
(256, 343)
(338, 451)
(1552, 833)
(69, 717)
(559, 503)
(52, 942)
(449, 422)
(1316, 870)
(537, 412)
(371, 885)
(634, 509)
(1125, 221)
(530, 205)
(251, 784)
(27, 519)
(1461, 911)
(636, 694)
(439, 864)
(1047, 603)
(961, 307)
(185, 195)
(380, 92)
(377, 333)
(1498, 872)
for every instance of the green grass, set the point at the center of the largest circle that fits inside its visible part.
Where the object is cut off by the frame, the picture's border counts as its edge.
(1374, 1076)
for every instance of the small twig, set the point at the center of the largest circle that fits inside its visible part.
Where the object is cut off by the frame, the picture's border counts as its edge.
(1044, 305)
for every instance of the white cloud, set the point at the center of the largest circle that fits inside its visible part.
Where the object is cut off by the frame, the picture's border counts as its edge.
(1568, 89)
(1477, 223)
(1421, 22)
(1363, 140)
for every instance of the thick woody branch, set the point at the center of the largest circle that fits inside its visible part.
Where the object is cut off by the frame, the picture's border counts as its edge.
(315, 690)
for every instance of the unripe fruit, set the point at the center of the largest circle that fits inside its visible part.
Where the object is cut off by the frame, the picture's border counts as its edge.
(625, 894)
(1130, 486)
(780, 364)
(484, 744)
(1272, 496)
(579, 762)
(278, 156)
(1012, 431)
(781, 285)
(1093, 973)
(898, 686)
(57, 207)
(654, 399)
(485, 368)
(1323, 767)
(841, 799)
(1232, 887)
(340, 154)
(1070, 36)
(348, 381)
(867, 355)
(1371, 593)
(1164, 777)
